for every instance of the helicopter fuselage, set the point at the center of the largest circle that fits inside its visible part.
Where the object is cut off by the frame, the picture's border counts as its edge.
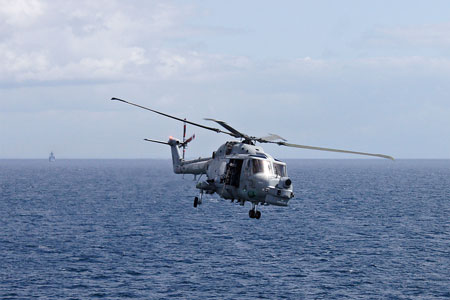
(239, 171)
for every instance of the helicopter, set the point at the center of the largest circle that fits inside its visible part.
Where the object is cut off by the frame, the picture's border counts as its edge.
(239, 170)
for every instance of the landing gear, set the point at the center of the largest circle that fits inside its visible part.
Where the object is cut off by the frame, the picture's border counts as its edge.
(253, 213)
(198, 201)
(195, 201)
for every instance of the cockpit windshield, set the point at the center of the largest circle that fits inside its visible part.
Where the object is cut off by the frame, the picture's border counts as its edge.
(279, 169)
(261, 166)
(266, 167)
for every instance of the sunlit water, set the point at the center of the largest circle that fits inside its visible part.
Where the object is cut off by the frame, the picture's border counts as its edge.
(117, 229)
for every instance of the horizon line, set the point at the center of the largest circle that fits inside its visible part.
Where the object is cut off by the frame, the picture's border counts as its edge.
(153, 158)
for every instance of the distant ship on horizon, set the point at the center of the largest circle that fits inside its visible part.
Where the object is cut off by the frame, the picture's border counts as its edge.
(52, 157)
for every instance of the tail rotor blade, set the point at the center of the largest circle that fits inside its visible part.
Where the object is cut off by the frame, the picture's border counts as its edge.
(184, 138)
(184, 144)
(189, 139)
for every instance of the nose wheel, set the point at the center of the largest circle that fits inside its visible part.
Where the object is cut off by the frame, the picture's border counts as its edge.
(253, 213)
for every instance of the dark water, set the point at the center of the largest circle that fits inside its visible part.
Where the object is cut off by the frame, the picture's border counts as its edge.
(117, 229)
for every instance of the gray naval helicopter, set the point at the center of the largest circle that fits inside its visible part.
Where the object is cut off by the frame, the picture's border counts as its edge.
(239, 170)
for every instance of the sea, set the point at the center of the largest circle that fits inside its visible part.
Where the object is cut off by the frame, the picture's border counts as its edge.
(127, 229)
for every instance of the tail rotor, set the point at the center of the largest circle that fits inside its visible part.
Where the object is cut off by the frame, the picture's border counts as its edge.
(185, 141)
(184, 137)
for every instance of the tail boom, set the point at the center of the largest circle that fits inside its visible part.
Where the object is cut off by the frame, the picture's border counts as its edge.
(181, 166)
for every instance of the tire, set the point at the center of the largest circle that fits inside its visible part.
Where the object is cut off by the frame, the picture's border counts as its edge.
(251, 213)
(258, 214)
(195, 201)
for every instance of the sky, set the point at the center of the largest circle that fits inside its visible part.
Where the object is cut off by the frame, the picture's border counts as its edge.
(370, 76)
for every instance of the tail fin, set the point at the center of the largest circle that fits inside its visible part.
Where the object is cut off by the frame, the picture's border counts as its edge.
(176, 157)
(175, 145)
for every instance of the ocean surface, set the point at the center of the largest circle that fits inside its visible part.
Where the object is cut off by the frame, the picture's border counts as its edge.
(119, 229)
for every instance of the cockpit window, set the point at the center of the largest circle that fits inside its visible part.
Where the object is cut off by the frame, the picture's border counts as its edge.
(261, 166)
(279, 169)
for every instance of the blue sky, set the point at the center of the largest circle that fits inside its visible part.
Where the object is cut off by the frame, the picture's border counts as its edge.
(359, 75)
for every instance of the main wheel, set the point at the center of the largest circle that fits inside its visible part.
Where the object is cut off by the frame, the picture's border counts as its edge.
(251, 213)
(195, 201)
(258, 214)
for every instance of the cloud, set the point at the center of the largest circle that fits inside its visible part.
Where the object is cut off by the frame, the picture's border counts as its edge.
(63, 41)
(79, 41)
(423, 35)
(74, 41)
(20, 13)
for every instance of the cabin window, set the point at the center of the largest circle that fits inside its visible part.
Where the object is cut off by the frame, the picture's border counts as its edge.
(279, 169)
(260, 166)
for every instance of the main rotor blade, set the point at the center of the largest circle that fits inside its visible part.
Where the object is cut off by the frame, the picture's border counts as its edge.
(155, 141)
(332, 150)
(172, 117)
(236, 133)
(271, 137)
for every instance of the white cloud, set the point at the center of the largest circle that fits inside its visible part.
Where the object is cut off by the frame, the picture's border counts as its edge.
(85, 40)
(20, 12)
(423, 35)
(90, 40)
(113, 40)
